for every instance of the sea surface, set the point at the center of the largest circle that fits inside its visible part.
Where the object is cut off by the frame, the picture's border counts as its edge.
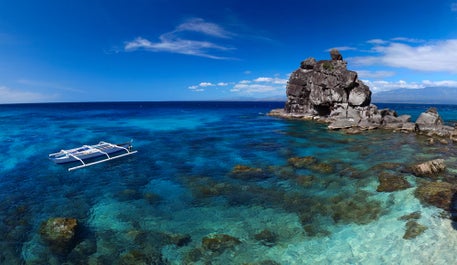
(215, 183)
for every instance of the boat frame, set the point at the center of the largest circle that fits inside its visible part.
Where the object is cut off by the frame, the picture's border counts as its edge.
(109, 157)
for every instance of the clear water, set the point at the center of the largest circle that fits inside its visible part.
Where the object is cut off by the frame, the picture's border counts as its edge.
(181, 182)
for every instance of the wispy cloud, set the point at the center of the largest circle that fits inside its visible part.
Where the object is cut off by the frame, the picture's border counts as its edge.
(437, 56)
(374, 74)
(202, 85)
(342, 48)
(8, 95)
(201, 26)
(261, 86)
(173, 42)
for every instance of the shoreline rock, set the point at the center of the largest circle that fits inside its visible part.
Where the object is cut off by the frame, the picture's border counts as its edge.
(326, 91)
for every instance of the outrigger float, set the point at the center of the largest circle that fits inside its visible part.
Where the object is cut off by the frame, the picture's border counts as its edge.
(81, 154)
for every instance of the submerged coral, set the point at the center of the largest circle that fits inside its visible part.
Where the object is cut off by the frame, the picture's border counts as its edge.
(389, 182)
(413, 229)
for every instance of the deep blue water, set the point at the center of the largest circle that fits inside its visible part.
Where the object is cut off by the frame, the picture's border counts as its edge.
(183, 183)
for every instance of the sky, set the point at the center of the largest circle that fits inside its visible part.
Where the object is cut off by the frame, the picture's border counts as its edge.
(157, 50)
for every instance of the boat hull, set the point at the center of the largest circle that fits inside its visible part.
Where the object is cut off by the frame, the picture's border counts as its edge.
(86, 153)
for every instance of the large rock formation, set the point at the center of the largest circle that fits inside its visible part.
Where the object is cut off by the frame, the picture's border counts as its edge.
(317, 87)
(325, 90)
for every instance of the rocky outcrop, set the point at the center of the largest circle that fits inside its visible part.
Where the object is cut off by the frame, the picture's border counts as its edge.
(439, 194)
(59, 233)
(327, 91)
(429, 169)
(389, 183)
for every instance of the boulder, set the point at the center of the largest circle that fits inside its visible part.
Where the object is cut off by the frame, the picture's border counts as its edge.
(389, 183)
(439, 194)
(219, 242)
(266, 237)
(336, 55)
(308, 64)
(429, 169)
(59, 233)
(429, 120)
(413, 229)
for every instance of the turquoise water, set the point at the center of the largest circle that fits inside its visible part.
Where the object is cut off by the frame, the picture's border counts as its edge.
(183, 183)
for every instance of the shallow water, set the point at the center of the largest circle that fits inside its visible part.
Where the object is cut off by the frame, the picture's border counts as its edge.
(210, 168)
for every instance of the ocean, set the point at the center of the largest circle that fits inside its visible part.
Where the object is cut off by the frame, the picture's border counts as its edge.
(216, 183)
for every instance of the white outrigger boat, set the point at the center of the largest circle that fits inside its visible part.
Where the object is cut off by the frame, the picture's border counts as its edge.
(103, 149)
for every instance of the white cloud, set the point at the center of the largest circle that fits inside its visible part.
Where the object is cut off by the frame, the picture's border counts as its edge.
(429, 57)
(374, 74)
(252, 88)
(202, 85)
(270, 86)
(342, 48)
(8, 95)
(172, 42)
(379, 86)
(273, 80)
(411, 40)
(206, 84)
(201, 26)
(443, 83)
(377, 41)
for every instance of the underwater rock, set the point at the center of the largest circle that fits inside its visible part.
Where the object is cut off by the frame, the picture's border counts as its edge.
(205, 187)
(438, 194)
(357, 208)
(429, 169)
(323, 168)
(193, 255)
(264, 262)
(138, 257)
(315, 230)
(83, 250)
(152, 198)
(247, 173)
(301, 162)
(178, 240)
(305, 181)
(413, 229)
(266, 237)
(219, 242)
(407, 217)
(389, 183)
(59, 233)
(128, 195)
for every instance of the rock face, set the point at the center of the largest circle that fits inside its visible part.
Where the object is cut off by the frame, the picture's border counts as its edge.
(429, 169)
(316, 87)
(327, 91)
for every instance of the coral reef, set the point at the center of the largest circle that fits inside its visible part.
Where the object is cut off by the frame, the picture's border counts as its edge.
(59, 233)
(266, 237)
(389, 182)
(413, 229)
(439, 194)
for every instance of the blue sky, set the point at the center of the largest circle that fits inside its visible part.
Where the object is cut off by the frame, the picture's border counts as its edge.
(102, 50)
